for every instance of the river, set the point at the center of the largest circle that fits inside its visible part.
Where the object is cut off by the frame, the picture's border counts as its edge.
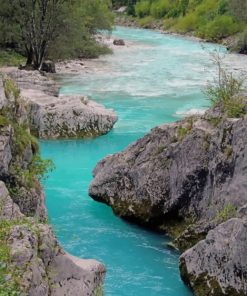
(156, 79)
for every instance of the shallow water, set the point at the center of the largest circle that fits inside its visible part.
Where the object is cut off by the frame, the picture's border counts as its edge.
(156, 79)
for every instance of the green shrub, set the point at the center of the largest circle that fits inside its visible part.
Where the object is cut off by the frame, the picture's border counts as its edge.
(222, 26)
(225, 92)
(142, 8)
(10, 58)
(160, 8)
(3, 121)
(7, 287)
(11, 89)
(229, 211)
(146, 22)
(187, 24)
(39, 167)
(36, 171)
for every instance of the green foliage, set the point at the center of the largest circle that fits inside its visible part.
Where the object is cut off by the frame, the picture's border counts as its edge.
(3, 121)
(182, 132)
(184, 6)
(58, 29)
(160, 8)
(36, 171)
(146, 21)
(8, 287)
(221, 27)
(229, 211)
(187, 24)
(142, 8)
(209, 19)
(39, 168)
(10, 58)
(11, 89)
(225, 92)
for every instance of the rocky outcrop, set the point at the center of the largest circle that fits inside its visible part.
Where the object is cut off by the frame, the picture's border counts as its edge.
(218, 264)
(68, 117)
(31, 261)
(45, 268)
(59, 116)
(187, 168)
(185, 178)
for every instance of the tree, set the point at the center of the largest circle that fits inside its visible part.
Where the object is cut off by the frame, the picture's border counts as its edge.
(37, 25)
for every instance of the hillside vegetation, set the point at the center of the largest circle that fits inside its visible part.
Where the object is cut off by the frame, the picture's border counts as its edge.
(209, 19)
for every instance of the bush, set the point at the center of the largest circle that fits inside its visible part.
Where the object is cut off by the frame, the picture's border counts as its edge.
(222, 26)
(225, 92)
(142, 8)
(11, 58)
(188, 23)
(160, 8)
(229, 211)
(146, 22)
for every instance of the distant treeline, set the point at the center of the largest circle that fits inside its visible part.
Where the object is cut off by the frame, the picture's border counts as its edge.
(209, 19)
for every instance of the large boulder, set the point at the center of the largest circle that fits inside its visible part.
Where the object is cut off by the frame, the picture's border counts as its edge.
(59, 116)
(45, 269)
(9, 210)
(68, 116)
(180, 170)
(218, 264)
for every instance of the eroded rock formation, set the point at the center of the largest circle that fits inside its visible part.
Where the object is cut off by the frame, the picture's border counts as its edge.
(186, 178)
(31, 261)
(59, 116)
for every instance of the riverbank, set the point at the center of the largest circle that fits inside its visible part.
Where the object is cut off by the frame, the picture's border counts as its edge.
(32, 261)
(158, 25)
(54, 116)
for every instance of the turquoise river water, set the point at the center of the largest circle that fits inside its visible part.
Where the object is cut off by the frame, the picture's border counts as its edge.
(156, 79)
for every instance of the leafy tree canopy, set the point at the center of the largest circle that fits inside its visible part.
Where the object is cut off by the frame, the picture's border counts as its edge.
(53, 28)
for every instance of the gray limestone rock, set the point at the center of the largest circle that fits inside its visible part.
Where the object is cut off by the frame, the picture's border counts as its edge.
(8, 209)
(46, 269)
(178, 170)
(5, 149)
(218, 264)
(59, 116)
